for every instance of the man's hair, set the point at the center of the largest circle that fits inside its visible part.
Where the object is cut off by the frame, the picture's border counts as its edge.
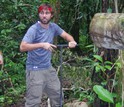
(46, 6)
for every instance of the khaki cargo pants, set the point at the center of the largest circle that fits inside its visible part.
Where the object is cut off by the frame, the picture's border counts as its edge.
(42, 81)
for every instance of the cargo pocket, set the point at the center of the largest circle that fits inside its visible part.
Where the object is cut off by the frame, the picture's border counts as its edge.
(53, 75)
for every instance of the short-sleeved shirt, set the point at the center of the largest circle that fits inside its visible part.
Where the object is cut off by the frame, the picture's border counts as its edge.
(40, 58)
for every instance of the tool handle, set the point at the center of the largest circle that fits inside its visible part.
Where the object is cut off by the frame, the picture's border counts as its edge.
(64, 45)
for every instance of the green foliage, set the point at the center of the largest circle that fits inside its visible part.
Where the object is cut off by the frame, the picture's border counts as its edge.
(12, 76)
(102, 65)
(118, 104)
(12, 80)
(77, 70)
(103, 94)
(106, 67)
(86, 95)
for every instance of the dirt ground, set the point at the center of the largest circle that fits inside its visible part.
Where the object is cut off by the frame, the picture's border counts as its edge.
(22, 102)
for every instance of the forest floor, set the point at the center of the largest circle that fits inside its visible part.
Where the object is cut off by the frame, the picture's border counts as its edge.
(22, 103)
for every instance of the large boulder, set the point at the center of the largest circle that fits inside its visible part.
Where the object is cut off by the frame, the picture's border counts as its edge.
(107, 30)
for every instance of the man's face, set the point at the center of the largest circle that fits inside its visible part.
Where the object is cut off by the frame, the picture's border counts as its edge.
(45, 16)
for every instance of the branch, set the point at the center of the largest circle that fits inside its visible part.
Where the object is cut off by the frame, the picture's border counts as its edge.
(58, 69)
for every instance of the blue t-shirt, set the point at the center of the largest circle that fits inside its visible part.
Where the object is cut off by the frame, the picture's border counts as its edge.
(40, 58)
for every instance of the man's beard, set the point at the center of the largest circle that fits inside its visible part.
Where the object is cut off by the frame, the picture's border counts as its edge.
(44, 21)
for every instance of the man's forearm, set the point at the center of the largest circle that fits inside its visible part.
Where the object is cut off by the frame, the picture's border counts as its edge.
(67, 36)
(29, 47)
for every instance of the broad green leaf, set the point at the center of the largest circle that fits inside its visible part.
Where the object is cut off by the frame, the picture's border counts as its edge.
(103, 94)
(108, 62)
(89, 46)
(108, 67)
(102, 68)
(118, 64)
(87, 59)
(97, 69)
(98, 57)
(118, 104)
(21, 26)
(2, 98)
(104, 83)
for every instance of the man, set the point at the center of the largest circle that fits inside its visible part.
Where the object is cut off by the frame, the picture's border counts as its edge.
(40, 75)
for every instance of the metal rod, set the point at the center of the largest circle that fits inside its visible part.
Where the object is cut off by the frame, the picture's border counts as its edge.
(61, 98)
(65, 45)
(62, 45)
(61, 61)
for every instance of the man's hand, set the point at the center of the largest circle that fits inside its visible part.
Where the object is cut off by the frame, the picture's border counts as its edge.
(72, 44)
(49, 46)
